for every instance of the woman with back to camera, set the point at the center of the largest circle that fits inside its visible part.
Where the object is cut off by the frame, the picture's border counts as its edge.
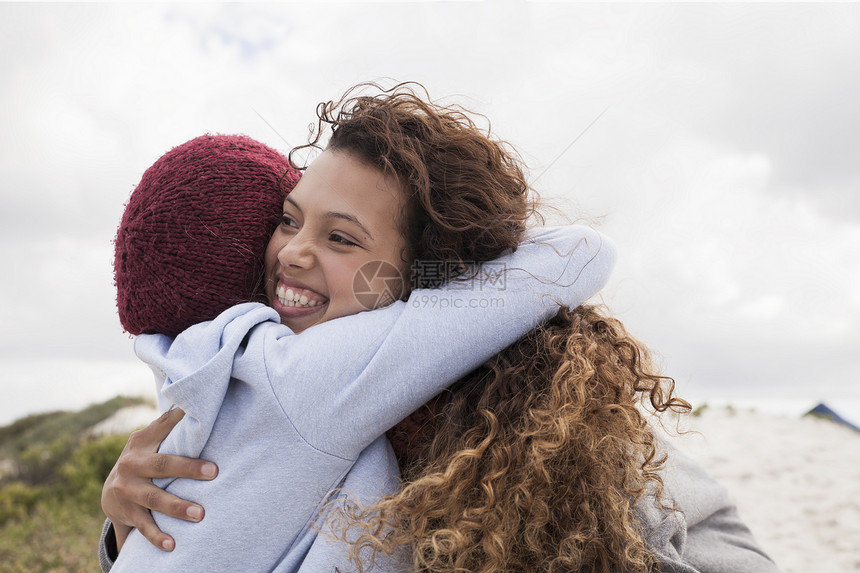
(538, 460)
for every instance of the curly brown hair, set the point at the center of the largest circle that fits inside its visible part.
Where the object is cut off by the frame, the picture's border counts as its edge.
(467, 198)
(534, 461)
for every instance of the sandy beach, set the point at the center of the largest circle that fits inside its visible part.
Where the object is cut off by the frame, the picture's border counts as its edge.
(796, 482)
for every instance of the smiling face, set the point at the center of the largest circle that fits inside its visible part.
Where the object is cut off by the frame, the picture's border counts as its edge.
(338, 236)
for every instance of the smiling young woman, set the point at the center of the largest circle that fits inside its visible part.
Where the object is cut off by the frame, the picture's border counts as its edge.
(336, 220)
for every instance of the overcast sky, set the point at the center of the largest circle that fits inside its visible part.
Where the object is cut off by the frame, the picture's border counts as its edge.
(725, 162)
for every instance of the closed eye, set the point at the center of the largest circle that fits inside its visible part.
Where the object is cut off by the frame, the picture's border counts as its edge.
(287, 221)
(341, 240)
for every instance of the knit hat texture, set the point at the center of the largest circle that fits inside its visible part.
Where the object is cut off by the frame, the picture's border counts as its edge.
(192, 239)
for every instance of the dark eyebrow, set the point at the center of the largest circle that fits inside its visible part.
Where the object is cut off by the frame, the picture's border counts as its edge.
(351, 219)
(336, 215)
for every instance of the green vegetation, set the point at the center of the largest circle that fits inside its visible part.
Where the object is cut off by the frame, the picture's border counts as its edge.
(50, 491)
(699, 409)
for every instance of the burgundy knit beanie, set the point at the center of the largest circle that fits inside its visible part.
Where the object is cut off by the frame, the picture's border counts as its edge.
(192, 239)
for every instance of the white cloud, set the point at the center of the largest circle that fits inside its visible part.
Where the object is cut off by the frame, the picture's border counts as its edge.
(59, 301)
(724, 162)
(732, 280)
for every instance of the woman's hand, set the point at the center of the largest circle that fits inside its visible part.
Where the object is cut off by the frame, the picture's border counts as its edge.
(129, 494)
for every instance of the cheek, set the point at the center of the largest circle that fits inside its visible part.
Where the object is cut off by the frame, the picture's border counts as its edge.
(339, 281)
(375, 284)
(271, 256)
(388, 286)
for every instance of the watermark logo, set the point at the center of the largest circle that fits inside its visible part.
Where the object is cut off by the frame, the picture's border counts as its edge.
(467, 275)
(378, 283)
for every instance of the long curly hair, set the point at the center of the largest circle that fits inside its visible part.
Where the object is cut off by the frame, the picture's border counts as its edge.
(534, 461)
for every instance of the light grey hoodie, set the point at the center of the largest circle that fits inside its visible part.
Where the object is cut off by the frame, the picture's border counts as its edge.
(286, 416)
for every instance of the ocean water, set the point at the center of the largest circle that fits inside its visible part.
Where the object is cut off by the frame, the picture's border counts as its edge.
(29, 387)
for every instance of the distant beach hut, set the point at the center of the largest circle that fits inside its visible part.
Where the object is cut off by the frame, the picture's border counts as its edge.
(824, 411)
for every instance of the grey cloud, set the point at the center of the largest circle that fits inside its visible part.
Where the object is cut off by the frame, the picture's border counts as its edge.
(684, 84)
(779, 80)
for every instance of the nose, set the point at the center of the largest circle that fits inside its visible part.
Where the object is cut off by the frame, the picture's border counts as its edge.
(298, 251)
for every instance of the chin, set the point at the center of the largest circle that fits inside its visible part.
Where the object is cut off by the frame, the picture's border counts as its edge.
(297, 325)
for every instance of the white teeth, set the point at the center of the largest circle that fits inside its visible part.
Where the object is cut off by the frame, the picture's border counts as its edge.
(290, 298)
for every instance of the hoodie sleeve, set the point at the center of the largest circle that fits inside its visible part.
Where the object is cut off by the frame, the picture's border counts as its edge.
(706, 534)
(344, 382)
